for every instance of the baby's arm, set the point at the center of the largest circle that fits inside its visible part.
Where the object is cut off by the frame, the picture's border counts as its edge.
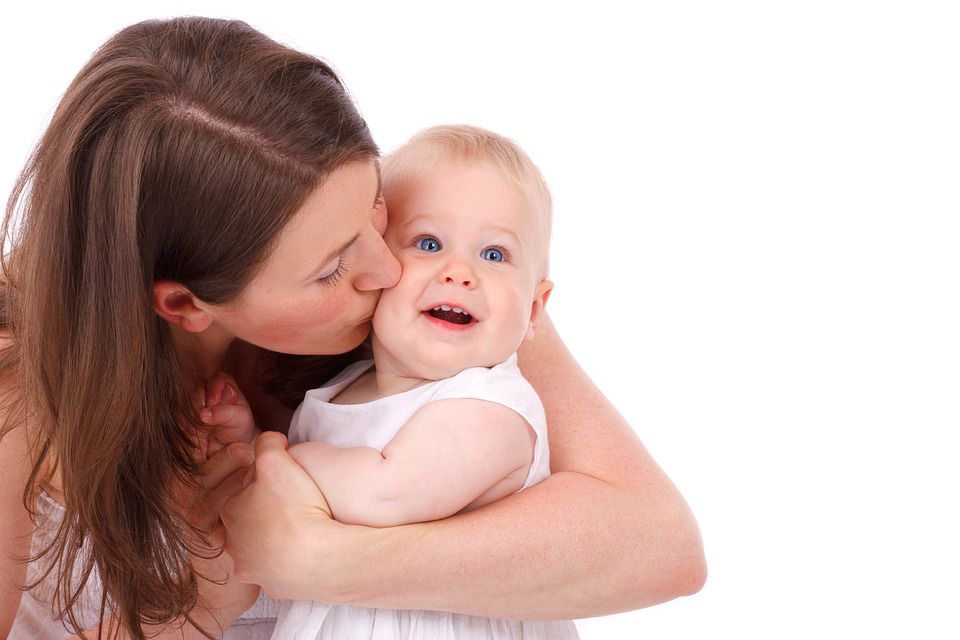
(451, 454)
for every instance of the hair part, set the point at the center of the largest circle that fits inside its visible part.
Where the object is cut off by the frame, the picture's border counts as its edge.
(473, 144)
(179, 152)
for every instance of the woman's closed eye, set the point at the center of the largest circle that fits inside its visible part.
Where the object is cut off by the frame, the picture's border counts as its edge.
(332, 275)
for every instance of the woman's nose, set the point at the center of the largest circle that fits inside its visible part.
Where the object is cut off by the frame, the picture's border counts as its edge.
(382, 268)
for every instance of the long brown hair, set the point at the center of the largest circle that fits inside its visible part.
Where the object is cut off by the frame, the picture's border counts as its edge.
(179, 152)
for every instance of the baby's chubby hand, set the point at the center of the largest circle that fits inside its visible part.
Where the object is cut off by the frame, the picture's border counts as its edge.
(224, 409)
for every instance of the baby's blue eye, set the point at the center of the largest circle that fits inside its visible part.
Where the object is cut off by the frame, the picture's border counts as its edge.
(492, 254)
(428, 244)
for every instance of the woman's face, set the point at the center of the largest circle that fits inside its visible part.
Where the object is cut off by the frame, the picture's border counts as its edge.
(316, 291)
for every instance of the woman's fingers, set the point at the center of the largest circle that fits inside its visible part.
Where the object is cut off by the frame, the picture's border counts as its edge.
(261, 519)
(224, 491)
(220, 477)
(221, 465)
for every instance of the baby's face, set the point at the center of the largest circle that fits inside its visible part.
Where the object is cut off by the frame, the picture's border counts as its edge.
(471, 246)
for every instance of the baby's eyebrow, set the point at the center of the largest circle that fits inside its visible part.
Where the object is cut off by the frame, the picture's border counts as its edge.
(509, 232)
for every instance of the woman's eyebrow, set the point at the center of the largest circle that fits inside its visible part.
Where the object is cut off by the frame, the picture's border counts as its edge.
(376, 198)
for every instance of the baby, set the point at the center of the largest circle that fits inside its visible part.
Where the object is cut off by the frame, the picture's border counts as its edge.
(441, 420)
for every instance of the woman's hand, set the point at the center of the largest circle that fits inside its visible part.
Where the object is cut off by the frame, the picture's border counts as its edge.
(273, 524)
(221, 476)
(222, 598)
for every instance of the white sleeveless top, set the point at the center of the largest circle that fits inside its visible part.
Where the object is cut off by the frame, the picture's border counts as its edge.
(36, 619)
(374, 424)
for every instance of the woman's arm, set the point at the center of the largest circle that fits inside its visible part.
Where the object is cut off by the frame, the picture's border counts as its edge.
(607, 532)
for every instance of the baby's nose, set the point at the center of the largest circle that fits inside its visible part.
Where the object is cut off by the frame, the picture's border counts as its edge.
(459, 273)
(452, 280)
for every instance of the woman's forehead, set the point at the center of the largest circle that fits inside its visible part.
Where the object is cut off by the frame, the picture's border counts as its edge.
(328, 221)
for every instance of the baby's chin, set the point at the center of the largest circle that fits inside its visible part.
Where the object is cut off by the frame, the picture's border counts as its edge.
(438, 359)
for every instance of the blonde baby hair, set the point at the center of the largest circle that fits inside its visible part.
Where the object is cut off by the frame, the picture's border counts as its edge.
(470, 143)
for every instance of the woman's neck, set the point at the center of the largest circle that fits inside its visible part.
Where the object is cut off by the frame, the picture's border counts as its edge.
(201, 354)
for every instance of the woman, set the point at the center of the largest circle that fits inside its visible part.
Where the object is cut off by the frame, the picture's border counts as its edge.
(200, 183)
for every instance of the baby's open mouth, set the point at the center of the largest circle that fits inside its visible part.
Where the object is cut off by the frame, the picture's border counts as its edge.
(454, 315)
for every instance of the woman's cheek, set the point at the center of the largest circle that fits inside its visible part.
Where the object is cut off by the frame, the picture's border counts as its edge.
(294, 322)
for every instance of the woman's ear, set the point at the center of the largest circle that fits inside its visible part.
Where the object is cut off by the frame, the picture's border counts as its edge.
(537, 308)
(177, 305)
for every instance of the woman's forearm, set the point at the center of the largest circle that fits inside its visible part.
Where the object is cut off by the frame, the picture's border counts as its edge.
(607, 532)
(573, 546)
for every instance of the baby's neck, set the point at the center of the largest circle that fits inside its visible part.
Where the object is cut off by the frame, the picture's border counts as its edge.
(390, 376)
(376, 384)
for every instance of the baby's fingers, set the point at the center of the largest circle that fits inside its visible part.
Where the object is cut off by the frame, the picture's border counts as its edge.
(229, 423)
(223, 389)
(225, 415)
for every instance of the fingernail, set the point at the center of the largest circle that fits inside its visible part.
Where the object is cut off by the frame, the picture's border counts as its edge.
(228, 394)
(206, 415)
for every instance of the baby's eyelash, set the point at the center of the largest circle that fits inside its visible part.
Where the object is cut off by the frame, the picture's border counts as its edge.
(334, 277)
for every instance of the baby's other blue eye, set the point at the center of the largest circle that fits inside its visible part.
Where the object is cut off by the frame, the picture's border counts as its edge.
(493, 254)
(428, 244)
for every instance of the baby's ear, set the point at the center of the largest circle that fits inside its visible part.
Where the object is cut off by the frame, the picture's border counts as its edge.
(177, 305)
(540, 297)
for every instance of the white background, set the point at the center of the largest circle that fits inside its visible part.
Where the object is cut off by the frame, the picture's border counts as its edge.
(756, 257)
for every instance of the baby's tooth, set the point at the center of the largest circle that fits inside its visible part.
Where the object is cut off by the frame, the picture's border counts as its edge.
(444, 307)
(458, 309)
